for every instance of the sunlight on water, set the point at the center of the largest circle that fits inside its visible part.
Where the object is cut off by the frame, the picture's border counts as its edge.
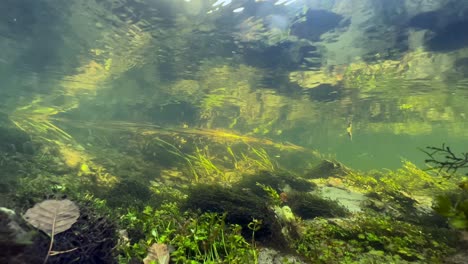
(235, 131)
(385, 103)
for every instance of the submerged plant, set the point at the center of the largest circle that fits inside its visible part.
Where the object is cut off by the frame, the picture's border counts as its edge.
(407, 180)
(261, 159)
(275, 198)
(452, 204)
(455, 208)
(209, 239)
(205, 238)
(203, 166)
(370, 237)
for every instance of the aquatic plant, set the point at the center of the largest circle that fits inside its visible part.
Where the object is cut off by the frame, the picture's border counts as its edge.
(274, 197)
(453, 204)
(203, 238)
(309, 206)
(37, 119)
(370, 237)
(269, 184)
(261, 159)
(204, 168)
(409, 179)
(413, 180)
(241, 206)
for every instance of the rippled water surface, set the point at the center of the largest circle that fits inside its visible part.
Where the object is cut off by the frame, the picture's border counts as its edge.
(321, 76)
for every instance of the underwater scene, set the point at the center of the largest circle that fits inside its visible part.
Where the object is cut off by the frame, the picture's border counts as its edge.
(234, 131)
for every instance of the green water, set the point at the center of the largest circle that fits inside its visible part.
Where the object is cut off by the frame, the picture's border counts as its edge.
(218, 130)
(134, 57)
(235, 66)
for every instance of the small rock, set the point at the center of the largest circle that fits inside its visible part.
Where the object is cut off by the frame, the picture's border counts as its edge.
(271, 256)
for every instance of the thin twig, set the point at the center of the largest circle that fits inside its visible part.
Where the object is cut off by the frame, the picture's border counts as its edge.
(53, 253)
(51, 238)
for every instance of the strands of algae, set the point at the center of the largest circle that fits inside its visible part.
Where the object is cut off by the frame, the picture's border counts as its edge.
(216, 135)
(37, 122)
(37, 117)
(200, 164)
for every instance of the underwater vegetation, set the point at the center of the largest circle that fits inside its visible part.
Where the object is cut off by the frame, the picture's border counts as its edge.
(216, 196)
(453, 204)
(211, 195)
(211, 222)
(371, 239)
(188, 135)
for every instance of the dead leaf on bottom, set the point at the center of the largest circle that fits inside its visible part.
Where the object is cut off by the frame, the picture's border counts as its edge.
(53, 216)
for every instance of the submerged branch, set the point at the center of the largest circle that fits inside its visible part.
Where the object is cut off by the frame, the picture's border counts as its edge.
(444, 159)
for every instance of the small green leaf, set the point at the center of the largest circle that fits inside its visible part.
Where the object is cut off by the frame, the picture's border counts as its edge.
(148, 210)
